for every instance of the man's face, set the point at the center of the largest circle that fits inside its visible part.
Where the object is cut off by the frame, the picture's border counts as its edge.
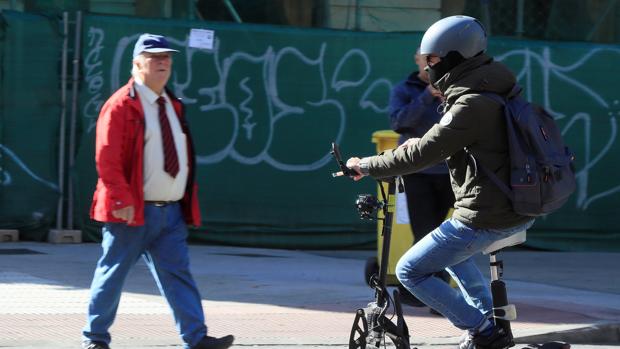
(431, 60)
(155, 68)
(421, 63)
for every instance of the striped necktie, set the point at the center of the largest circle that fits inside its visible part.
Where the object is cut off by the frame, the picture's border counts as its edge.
(171, 161)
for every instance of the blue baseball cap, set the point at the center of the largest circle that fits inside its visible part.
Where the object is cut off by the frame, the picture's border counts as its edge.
(151, 43)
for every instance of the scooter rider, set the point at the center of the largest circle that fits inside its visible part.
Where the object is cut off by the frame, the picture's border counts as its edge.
(457, 65)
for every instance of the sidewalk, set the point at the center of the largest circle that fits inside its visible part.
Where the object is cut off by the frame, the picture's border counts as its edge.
(280, 298)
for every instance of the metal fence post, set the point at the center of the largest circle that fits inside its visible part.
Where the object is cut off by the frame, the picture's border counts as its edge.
(73, 121)
(61, 131)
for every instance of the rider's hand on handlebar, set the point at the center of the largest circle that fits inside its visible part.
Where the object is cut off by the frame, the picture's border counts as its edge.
(353, 163)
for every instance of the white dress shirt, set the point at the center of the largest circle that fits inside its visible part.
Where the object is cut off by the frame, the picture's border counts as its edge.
(158, 184)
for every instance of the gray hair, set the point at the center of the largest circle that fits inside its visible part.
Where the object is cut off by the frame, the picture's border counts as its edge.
(134, 68)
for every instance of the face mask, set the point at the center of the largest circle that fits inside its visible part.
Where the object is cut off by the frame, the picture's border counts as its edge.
(436, 72)
(447, 63)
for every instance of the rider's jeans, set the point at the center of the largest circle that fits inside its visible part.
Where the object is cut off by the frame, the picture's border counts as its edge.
(451, 247)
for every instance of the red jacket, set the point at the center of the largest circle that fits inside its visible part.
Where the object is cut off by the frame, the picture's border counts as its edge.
(119, 156)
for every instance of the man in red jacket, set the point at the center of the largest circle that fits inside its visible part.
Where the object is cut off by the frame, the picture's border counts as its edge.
(145, 196)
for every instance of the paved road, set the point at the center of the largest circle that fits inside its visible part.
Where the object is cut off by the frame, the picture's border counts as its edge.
(290, 299)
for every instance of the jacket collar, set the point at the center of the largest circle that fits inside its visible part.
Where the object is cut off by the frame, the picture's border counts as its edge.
(145, 92)
(132, 89)
(462, 69)
(133, 95)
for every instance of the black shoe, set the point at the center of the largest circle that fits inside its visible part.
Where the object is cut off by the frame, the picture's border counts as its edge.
(498, 339)
(94, 345)
(215, 343)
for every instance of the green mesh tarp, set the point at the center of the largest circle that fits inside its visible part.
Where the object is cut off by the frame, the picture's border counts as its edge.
(30, 48)
(264, 105)
(267, 101)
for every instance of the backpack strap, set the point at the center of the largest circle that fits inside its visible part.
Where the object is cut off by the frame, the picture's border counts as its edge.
(494, 96)
(498, 182)
(515, 91)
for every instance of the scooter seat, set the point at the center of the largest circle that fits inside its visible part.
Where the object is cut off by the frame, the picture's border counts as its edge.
(512, 240)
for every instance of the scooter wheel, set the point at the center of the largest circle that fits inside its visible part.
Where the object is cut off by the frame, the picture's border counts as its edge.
(371, 268)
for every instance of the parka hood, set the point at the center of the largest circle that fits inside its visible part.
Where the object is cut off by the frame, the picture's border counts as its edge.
(477, 74)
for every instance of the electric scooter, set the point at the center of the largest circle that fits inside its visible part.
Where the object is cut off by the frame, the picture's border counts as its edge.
(372, 324)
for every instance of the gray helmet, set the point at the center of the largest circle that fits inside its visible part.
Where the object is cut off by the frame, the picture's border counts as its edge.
(462, 34)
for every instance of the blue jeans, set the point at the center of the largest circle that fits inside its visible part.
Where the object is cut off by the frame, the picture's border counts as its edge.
(161, 241)
(451, 247)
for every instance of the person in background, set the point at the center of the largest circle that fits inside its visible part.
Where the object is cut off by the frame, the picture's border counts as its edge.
(146, 195)
(414, 109)
(472, 130)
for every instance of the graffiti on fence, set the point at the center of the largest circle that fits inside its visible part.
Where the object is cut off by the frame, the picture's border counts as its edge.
(6, 179)
(249, 89)
(243, 112)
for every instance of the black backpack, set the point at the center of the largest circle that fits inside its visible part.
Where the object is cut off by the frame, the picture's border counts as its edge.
(542, 177)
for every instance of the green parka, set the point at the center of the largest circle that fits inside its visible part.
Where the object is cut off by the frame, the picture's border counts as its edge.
(470, 121)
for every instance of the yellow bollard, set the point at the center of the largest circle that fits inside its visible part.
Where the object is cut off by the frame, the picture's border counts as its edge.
(402, 236)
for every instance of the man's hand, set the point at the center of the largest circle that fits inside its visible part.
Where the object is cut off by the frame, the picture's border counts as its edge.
(434, 92)
(353, 163)
(125, 213)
